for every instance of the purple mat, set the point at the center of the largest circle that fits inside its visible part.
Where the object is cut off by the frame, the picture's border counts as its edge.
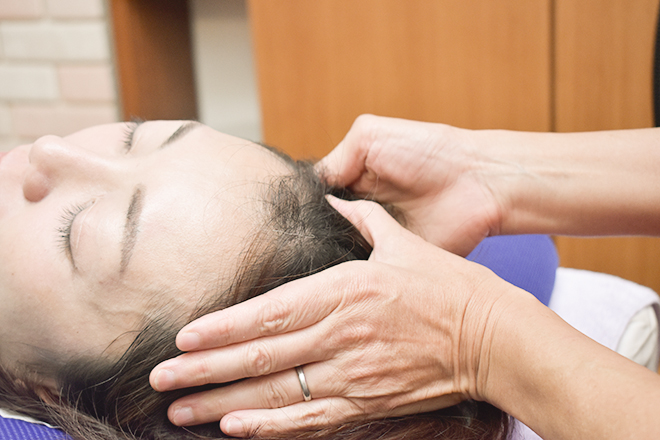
(526, 261)
(12, 429)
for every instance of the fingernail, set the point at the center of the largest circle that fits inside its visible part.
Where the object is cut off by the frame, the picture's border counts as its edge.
(164, 380)
(182, 416)
(232, 426)
(188, 341)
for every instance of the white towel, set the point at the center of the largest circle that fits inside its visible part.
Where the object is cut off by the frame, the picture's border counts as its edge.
(617, 313)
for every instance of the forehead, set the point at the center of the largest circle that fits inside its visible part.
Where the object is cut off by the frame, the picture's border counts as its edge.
(202, 205)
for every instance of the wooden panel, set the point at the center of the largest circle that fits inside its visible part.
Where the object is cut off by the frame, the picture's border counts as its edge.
(471, 63)
(153, 52)
(604, 53)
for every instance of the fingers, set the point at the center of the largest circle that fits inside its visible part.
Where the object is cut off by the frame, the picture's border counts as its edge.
(290, 307)
(331, 411)
(275, 391)
(342, 166)
(380, 229)
(303, 416)
(262, 335)
(346, 163)
(251, 359)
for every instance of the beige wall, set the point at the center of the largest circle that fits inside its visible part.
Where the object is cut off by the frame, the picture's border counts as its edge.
(56, 74)
(225, 77)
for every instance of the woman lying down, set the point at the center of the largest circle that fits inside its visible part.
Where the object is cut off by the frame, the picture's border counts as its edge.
(115, 237)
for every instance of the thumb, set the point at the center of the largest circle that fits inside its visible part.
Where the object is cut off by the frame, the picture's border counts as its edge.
(343, 165)
(378, 227)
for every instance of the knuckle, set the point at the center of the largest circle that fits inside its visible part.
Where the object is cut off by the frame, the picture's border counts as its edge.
(274, 394)
(203, 371)
(378, 407)
(213, 405)
(274, 318)
(352, 335)
(315, 417)
(260, 362)
(365, 121)
(223, 331)
(363, 131)
(366, 281)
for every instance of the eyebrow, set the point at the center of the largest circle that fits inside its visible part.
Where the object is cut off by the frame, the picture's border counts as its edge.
(180, 132)
(131, 228)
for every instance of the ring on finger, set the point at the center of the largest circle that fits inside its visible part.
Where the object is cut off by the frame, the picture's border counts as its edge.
(307, 395)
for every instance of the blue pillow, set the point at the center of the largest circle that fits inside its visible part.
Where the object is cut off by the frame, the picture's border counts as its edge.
(526, 261)
(12, 429)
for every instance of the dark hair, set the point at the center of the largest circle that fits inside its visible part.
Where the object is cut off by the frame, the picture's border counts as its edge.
(105, 399)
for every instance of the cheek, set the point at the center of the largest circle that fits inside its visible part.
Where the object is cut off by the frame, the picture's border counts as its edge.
(30, 255)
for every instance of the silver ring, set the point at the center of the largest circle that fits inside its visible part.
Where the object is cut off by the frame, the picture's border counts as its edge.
(303, 384)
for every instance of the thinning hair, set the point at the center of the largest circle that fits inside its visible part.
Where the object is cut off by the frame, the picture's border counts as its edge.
(109, 399)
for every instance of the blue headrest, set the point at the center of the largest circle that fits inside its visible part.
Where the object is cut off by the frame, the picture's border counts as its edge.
(526, 261)
(12, 429)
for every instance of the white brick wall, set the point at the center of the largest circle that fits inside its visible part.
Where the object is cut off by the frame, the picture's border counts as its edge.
(56, 72)
(32, 121)
(5, 121)
(87, 83)
(28, 81)
(13, 9)
(75, 8)
(55, 41)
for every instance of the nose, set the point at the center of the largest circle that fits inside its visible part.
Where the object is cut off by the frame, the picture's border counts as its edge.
(55, 161)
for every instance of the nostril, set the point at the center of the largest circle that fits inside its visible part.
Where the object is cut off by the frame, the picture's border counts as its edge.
(35, 185)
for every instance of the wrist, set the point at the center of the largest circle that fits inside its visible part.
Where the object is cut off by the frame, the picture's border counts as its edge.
(506, 340)
(497, 166)
(534, 178)
(494, 305)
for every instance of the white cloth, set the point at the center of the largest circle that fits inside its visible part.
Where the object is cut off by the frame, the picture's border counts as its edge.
(617, 313)
(14, 415)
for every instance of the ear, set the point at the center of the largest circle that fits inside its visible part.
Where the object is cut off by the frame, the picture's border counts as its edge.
(48, 391)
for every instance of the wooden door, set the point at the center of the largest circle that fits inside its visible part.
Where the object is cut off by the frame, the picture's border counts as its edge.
(471, 63)
(152, 50)
(603, 81)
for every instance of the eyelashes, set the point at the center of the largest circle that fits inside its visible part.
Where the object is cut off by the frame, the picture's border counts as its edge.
(69, 214)
(129, 133)
(66, 223)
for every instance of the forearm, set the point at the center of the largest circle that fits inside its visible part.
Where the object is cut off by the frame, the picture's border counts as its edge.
(562, 384)
(599, 183)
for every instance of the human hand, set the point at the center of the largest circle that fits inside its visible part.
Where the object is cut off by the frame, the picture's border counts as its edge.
(402, 333)
(432, 173)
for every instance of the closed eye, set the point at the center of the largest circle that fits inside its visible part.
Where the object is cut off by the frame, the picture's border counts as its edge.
(129, 134)
(66, 224)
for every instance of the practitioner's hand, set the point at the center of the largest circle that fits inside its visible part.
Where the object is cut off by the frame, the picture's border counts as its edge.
(405, 332)
(433, 173)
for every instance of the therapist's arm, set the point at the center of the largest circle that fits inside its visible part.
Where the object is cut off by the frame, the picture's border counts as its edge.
(594, 183)
(563, 384)
(455, 186)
